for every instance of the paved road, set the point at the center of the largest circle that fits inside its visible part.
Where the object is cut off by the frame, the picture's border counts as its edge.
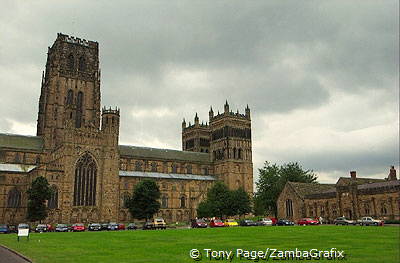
(6, 256)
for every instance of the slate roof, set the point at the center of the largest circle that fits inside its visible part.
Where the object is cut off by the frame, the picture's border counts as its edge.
(167, 175)
(21, 142)
(154, 153)
(359, 180)
(16, 168)
(303, 189)
(392, 183)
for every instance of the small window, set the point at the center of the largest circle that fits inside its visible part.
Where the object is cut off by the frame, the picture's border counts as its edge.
(183, 201)
(164, 201)
(189, 169)
(174, 168)
(70, 62)
(82, 64)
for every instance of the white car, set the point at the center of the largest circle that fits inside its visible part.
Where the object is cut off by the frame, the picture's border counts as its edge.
(367, 221)
(264, 222)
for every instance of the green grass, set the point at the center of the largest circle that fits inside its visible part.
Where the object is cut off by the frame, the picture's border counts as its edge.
(361, 244)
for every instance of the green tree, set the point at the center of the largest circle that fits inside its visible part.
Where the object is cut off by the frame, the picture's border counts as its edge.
(38, 193)
(240, 203)
(143, 203)
(204, 209)
(272, 179)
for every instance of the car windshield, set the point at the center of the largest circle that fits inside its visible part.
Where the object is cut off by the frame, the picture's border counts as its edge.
(41, 226)
(230, 220)
(200, 221)
(78, 224)
(159, 220)
(217, 221)
(61, 225)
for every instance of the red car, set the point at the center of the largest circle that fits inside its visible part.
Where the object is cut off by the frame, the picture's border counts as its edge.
(50, 228)
(216, 223)
(274, 220)
(78, 227)
(307, 221)
(121, 227)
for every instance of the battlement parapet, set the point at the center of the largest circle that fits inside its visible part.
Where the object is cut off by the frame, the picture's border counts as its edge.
(77, 40)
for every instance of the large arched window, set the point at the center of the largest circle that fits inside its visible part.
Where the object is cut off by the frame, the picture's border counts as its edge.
(14, 198)
(79, 110)
(70, 97)
(164, 201)
(289, 208)
(70, 62)
(82, 64)
(183, 201)
(53, 201)
(85, 181)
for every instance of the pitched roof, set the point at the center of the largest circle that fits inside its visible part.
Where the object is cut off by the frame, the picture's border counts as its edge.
(359, 180)
(23, 142)
(303, 189)
(154, 153)
(392, 183)
(167, 176)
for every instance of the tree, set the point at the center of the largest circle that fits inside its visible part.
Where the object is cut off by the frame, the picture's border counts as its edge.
(272, 179)
(143, 203)
(38, 193)
(221, 202)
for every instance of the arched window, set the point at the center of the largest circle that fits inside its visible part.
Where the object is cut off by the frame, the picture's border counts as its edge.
(154, 167)
(14, 198)
(85, 181)
(239, 154)
(164, 201)
(234, 153)
(174, 168)
(82, 64)
(125, 199)
(289, 208)
(189, 169)
(183, 201)
(70, 62)
(70, 97)
(79, 104)
(53, 201)
(206, 171)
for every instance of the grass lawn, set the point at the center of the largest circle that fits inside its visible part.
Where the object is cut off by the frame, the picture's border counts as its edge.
(360, 244)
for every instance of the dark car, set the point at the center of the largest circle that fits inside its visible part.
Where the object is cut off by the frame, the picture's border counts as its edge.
(131, 226)
(121, 226)
(344, 221)
(113, 226)
(41, 228)
(94, 227)
(248, 222)
(148, 225)
(104, 226)
(12, 228)
(4, 229)
(284, 222)
(199, 223)
(62, 228)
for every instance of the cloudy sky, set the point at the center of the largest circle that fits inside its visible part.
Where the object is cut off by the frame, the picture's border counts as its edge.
(321, 77)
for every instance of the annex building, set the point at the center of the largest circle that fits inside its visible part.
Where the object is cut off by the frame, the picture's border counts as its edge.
(77, 149)
(353, 197)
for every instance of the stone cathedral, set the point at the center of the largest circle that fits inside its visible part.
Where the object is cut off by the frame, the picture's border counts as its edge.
(77, 149)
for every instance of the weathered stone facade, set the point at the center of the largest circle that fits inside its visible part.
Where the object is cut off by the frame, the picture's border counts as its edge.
(351, 197)
(77, 149)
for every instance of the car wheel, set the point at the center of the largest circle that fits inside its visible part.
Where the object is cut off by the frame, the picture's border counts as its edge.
(346, 224)
(375, 224)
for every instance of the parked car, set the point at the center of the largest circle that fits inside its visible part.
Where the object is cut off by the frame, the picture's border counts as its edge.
(50, 228)
(79, 227)
(248, 222)
(264, 222)
(132, 226)
(121, 226)
(94, 227)
(104, 226)
(216, 223)
(159, 223)
(307, 221)
(41, 228)
(148, 225)
(61, 228)
(112, 226)
(368, 221)
(344, 221)
(284, 222)
(199, 223)
(12, 228)
(4, 229)
(230, 222)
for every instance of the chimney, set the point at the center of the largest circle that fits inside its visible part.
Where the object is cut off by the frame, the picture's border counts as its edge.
(353, 175)
(392, 174)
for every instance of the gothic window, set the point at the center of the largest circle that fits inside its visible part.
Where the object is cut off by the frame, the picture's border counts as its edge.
(189, 169)
(138, 166)
(239, 155)
(53, 201)
(70, 62)
(174, 168)
(79, 102)
(289, 208)
(366, 209)
(234, 153)
(82, 64)
(154, 167)
(164, 201)
(17, 158)
(383, 209)
(14, 198)
(70, 97)
(2, 156)
(206, 171)
(125, 199)
(183, 201)
(85, 181)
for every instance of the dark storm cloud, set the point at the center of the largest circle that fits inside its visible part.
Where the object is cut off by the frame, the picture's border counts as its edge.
(180, 57)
